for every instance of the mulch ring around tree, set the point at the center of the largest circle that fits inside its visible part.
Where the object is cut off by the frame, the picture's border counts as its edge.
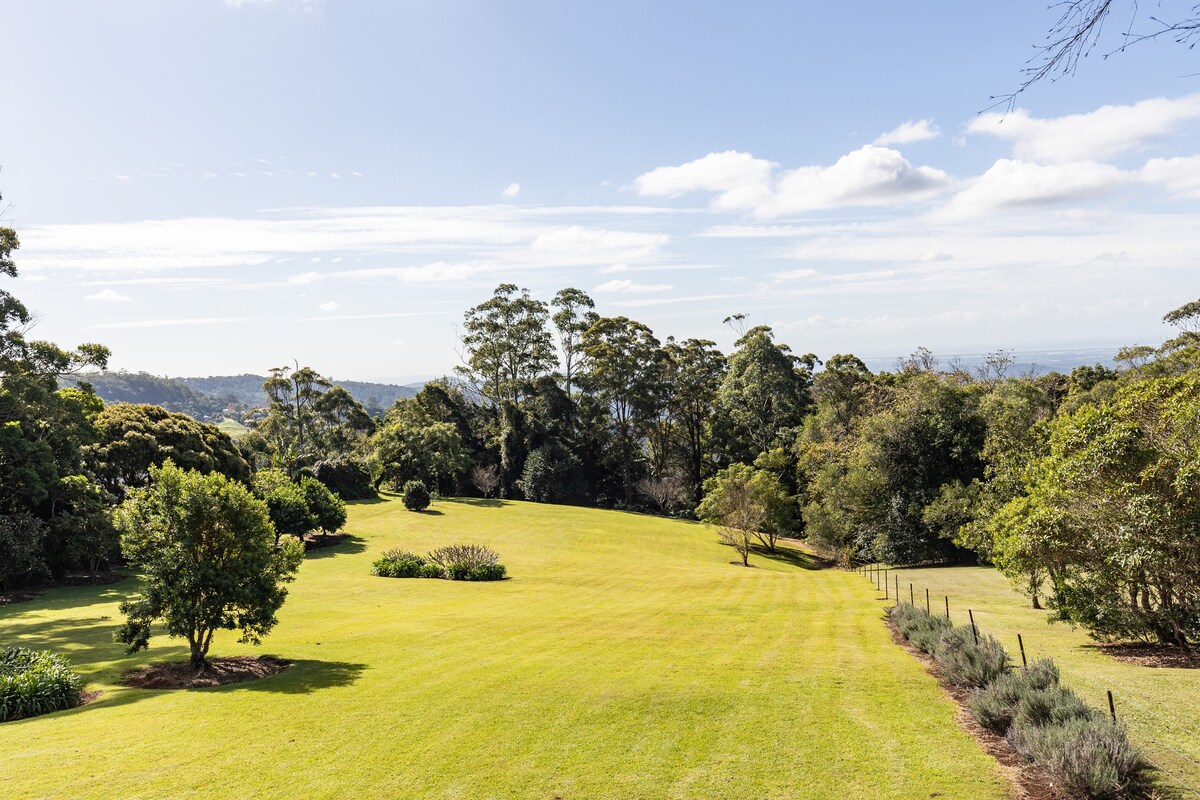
(1152, 655)
(220, 671)
(316, 541)
(1027, 780)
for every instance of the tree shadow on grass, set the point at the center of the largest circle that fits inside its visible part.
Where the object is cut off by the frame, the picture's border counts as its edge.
(479, 502)
(348, 546)
(304, 676)
(790, 555)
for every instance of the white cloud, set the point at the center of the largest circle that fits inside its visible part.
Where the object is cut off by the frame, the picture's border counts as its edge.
(512, 190)
(741, 179)
(1010, 184)
(107, 296)
(593, 243)
(330, 306)
(122, 177)
(1106, 132)
(628, 286)
(1180, 176)
(167, 323)
(612, 269)
(869, 176)
(919, 131)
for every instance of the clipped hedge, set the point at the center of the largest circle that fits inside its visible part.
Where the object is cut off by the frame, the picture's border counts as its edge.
(415, 496)
(459, 562)
(34, 682)
(1045, 723)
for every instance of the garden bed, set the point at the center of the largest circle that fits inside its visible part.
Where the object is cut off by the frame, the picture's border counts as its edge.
(220, 672)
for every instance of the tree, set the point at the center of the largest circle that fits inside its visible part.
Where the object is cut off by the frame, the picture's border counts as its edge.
(327, 508)
(415, 496)
(340, 424)
(134, 438)
(293, 396)
(574, 314)
(207, 551)
(408, 446)
(287, 507)
(764, 395)
(665, 491)
(1112, 514)
(485, 478)
(1079, 28)
(624, 360)
(696, 370)
(507, 344)
(746, 501)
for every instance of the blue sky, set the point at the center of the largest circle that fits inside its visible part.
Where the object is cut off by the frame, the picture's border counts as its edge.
(214, 187)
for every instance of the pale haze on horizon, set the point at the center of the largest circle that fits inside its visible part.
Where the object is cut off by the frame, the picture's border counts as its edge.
(223, 186)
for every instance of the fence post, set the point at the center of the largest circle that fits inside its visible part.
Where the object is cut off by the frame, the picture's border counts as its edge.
(1112, 709)
(947, 608)
(912, 598)
(927, 610)
(897, 577)
(886, 596)
(974, 630)
(1021, 644)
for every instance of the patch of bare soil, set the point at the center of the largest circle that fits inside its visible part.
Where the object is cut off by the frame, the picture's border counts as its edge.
(1152, 655)
(1027, 780)
(220, 671)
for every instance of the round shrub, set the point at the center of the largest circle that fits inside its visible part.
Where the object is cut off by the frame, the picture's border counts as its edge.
(34, 682)
(1091, 757)
(995, 707)
(487, 572)
(415, 496)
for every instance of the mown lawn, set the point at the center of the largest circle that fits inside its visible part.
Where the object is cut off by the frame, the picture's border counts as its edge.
(1160, 705)
(626, 658)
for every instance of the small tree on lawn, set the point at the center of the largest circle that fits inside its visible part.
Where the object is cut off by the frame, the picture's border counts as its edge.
(486, 478)
(415, 496)
(206, 548)
(326, 507)
(736, 506)
(286, 503)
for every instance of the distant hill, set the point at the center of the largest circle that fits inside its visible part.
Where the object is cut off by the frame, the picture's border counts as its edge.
(209, 399)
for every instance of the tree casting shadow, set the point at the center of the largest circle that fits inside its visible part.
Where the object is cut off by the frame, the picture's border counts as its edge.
(304, 676)
(348, 546)
(789, 555)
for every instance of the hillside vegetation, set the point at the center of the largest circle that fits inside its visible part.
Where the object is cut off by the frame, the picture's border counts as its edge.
(625, 658)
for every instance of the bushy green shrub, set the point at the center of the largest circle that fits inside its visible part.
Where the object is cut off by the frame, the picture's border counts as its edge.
(1089, 755)
(36, 682)
(459, 562)
(1053, 706)
(922, 630)
(398, 564)
(995, 706)
(431, 571)
(416, 496)
(968, 660)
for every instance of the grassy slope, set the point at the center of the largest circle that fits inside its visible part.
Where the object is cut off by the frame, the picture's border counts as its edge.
(626, 658)
(1160, 705)
(234, 429)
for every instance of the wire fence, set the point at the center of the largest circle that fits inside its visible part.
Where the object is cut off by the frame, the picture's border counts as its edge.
(891, 589)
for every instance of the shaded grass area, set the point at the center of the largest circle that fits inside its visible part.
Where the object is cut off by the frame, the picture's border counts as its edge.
(1158, 704)
(625, 658)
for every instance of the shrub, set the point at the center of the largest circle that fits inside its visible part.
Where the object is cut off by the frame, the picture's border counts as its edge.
(487, 572)
(431, 571)
(328, 510)
(36, 682)
(399, 564)
(995, 706)
(922, 630)
(1053, 706)
(347, 478)
(415, 496)
(1089, 755)
(969, 662)
(468, 562)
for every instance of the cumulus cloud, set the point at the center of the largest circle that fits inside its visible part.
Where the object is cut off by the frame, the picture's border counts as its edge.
(512, 190)
(1010, 184)
(628, 286)
(107, 296)
(1106, 132)
(919, 131)
(1179, 176)
(330, 306)
(869, 176)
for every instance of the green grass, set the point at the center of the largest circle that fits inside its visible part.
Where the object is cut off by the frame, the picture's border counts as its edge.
(627, 657)
(232, 428)
(1160, 705)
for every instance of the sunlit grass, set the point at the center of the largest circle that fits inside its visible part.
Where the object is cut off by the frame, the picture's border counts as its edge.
(626, 658)
(1161, 706)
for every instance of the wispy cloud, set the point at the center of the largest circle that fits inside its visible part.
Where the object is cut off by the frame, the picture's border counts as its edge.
(107, 296)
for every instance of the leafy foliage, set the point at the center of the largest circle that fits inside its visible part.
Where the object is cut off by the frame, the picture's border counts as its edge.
(208, 554)
(36, 682)
(415, 496)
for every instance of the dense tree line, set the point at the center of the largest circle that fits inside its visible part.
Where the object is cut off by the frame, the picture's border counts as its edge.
(1083, 488)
